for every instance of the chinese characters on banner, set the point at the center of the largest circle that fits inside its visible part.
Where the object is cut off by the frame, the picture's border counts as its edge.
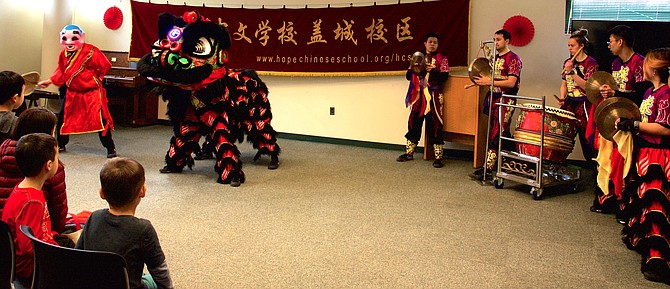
(353, 39)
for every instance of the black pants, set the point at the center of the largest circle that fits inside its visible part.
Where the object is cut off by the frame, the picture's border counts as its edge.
(64, 139)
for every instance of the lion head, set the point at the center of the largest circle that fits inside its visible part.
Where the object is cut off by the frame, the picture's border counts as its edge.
(191, 51)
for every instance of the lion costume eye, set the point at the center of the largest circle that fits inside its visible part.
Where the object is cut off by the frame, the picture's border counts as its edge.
(203, 47)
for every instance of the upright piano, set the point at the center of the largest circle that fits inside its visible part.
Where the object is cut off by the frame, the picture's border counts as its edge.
(131, 102)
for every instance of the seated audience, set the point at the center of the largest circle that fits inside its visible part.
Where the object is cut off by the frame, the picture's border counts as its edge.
(12, 86)
(37, 157)
(34, 120)
(118, 230)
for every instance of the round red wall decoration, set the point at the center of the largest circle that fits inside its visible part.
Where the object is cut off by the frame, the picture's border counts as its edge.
(521, 28)
(113, 18)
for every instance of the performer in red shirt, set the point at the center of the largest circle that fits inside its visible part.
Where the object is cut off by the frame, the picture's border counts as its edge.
(507, 77)
(577, 71)
(628, 74)
(80, 71)
(425, 97)
(648, 194)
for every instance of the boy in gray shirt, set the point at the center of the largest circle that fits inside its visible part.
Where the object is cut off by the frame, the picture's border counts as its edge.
(118, 230)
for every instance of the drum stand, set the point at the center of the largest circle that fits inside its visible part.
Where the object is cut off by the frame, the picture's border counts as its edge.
(531, 170)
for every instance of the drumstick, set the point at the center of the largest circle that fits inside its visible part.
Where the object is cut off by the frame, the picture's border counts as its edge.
(470, 85)
(557, 98)
(572, 59)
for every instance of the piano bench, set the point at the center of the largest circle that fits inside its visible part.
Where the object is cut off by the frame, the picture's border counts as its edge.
(39, 94)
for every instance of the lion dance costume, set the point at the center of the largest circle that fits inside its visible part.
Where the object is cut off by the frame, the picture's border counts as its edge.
(207, 99)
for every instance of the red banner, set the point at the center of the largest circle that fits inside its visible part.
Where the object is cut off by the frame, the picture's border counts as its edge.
(352, 39)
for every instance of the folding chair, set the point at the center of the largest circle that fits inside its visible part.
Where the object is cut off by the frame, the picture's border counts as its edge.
(60, 267)
(7, 256)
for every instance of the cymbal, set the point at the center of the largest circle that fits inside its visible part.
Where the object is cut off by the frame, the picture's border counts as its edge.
(418, 62)
(610, 110)
(593, 84)
(31, 79)
(478, 67)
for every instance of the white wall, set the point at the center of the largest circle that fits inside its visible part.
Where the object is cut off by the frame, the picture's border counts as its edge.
(21, 46)
(366, 108)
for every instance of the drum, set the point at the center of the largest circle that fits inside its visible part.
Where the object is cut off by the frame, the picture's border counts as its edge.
(560, 129)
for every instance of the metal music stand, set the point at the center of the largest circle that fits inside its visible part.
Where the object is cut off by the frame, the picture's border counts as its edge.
(488, 126)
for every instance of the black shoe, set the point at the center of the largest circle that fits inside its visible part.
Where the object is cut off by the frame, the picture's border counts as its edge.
(111, 153)
(627, 242)
(655, 277)
(235, 179)
(61, 149)
(170, 170)
(489, 176)
(601, 210)
(620, 218)
(438, 164)
(274, 163)
(596, 209)
(478, 174)
(235, 182)
(203, 156)
(405, 157)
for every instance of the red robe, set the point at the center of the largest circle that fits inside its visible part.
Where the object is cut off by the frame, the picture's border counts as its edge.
(86, 100)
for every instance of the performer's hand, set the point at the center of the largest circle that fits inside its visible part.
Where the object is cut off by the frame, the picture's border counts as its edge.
(626, 125)
(430, 67)
(568, 66)
(561, 101)
(482, 80)
(44, 83)
(606, 91)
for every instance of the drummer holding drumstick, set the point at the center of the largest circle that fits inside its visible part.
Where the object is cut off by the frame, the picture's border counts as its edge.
(507, 74)
(576, 70)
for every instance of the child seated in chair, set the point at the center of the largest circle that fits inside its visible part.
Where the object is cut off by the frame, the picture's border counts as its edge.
(37, 157)
(12, 86)
(118, 230)
(34, 120)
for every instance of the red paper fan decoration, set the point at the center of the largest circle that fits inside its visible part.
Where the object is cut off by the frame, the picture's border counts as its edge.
(113, 18)
(521, 28)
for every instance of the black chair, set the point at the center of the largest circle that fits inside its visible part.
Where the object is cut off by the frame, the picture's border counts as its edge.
(60, 267)
(7, 256)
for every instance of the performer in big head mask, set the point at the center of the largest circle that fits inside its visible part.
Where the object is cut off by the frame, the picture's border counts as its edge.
(79, 75)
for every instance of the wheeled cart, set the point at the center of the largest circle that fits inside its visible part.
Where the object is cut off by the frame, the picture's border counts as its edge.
(532, 170)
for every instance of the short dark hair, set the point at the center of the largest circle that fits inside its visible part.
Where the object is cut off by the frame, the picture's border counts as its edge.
(506, 35)
(429, 35)
(34, 120)
(623, 32)
(11, 83)
(33, 151)
(121, 180)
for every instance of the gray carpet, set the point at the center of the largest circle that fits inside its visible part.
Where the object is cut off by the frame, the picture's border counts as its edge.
(336, 216)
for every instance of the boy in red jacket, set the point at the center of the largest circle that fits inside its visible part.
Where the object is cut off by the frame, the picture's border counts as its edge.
(34, 120)
(37, 157)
